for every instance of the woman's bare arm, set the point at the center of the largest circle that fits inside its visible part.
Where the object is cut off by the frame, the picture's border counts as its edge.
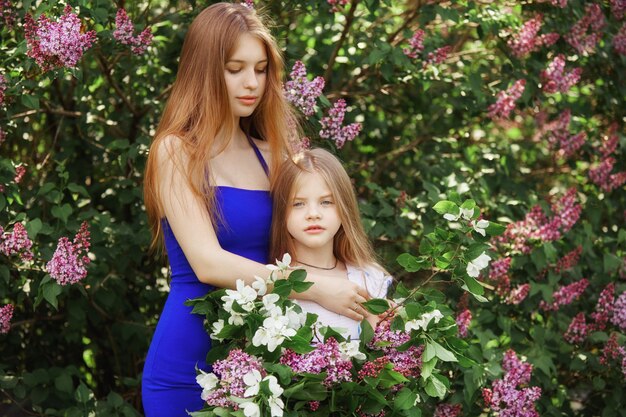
(190, 223)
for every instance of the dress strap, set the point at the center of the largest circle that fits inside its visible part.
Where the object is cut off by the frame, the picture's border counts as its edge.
(259, 155)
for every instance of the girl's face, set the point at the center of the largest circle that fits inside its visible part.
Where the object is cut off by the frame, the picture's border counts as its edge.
(313, 218)
(245, 74)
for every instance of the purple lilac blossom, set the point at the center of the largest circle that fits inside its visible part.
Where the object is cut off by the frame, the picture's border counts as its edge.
(332, 125)
(69, 262)
(6, 314)
(57, 44)
(16, 242)
(124, 33)
(301, 92)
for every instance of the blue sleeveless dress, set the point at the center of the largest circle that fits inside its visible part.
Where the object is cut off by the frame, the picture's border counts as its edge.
(169, 387)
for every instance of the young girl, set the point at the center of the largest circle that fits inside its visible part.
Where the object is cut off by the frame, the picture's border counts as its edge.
(207, 190)
(316, 220)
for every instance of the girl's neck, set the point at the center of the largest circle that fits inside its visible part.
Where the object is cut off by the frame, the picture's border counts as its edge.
(323, 258)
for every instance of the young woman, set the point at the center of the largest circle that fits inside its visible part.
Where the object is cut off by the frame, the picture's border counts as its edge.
(206, 190)
(316, 220)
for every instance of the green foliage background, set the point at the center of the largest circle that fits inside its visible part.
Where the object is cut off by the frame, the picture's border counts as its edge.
(83, 135)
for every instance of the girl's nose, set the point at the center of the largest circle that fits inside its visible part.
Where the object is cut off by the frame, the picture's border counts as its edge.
(313, 213)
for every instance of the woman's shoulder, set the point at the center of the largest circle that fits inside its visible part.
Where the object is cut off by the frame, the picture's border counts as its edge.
(170, 148)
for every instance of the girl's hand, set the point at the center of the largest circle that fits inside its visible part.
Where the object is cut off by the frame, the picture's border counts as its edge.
(340, 296)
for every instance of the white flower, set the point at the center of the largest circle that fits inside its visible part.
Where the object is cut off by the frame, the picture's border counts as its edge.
(244, 295)
(261, 337)
(465, 213)
(350, 350)
(236, 319)
(280, 265)
(475, 266)
(208, 381)
(259, 285)
(252, 379)
(295, 319)
(480, 226)
(423, 321)
(276, 406)
(217, 328)
(269, 304)
(275, 388)
(250, 409)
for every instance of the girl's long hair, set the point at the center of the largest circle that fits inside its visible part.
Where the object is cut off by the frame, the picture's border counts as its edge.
(198, 109)
(351, 244)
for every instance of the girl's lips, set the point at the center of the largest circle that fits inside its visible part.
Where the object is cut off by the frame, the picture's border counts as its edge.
(314, 229)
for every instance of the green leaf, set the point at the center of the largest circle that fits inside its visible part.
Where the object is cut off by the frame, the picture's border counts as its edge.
(428, 366)
(468, 204)
(283, 288)
(474, 286)
(445, 206)
(435, 388)
(64, 383)
(411, 263)
(83, 394)
(376, 305)
(297, 275)
(32, 102)
(475, 250)
(405, 399)
(300, 286)
(429, 352)
(62, 212)
(443, 353)
(367, 333)
(51, 291)
(611, 262)
(33, 227)
(495, 229)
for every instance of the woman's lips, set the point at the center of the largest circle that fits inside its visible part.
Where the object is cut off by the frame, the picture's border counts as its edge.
(247, 100)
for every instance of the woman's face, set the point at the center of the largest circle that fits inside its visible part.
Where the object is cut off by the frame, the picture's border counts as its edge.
(245, 75)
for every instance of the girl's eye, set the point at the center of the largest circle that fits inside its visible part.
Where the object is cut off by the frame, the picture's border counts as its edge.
(297, 204)
(327, 202)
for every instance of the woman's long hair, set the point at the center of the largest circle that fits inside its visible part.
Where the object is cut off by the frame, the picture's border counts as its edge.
(351, 244)
(198, 109)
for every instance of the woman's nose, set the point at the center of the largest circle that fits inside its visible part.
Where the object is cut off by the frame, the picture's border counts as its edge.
(251, 80)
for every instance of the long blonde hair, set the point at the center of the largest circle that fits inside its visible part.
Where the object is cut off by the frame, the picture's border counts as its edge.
(198, 108)
(351, 244)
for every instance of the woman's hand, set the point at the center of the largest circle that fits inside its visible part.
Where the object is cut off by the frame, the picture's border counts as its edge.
(340, 296)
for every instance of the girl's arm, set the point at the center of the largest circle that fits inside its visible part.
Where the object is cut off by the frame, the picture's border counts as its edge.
(190, 223)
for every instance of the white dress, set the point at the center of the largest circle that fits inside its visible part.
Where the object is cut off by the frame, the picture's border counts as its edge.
(372, 278)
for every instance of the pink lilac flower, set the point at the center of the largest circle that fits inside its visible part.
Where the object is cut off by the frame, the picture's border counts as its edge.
(565, 295)
(336, 4)
(16, 242)
(610, 351)
(416, 44)
(124, 33)
(526, 40)
(619, 312)
(619, 40)
(568, 261)
(69, 262)
(448, 410)
(537, 227)
(332, 125)
(555, 79)
(437, 56)
(20, 171)
(249, 4)
(6, 314)
(604, 307)
(577, 330)
(301, 92)
(609, 141)
(325, 358)
(3, 87)
(505, 102)
(3, 136)
(505, 397)
(7, 13)
(601, 175)
(372, 369)
(559, 138)
(499, 275)
(408, 362)
(314, 405)
(231, 372)
(57, 44)
(578, 37)
(463, 320)
(559, 3)
(618, 9)
(517, 295)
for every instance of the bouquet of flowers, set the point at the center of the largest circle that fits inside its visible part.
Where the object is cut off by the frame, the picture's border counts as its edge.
(272, 359)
